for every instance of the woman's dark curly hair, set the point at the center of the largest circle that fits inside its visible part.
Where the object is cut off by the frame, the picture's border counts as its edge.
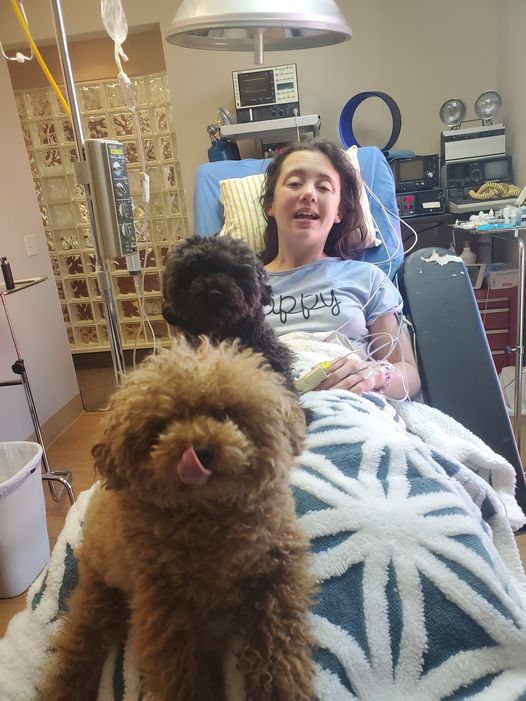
(346, 237)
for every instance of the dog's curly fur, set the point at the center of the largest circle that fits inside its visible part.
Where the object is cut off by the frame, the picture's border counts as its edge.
(193, 556)
(216, 286)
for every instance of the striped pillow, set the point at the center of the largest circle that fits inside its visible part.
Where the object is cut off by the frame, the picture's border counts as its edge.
(244, 218)
(243, 213)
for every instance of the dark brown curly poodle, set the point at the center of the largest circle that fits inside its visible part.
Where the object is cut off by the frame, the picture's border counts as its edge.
(192, 538)
(216, 286)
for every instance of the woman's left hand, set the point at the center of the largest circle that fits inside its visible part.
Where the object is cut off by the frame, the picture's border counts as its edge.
(354, 375)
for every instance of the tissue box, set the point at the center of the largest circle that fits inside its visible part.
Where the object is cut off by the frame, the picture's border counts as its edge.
(499, 276)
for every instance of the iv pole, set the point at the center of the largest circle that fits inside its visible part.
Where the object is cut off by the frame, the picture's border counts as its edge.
(103, 276)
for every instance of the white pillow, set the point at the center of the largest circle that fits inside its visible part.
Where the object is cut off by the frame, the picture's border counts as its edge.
(370, 239)
(244, 218)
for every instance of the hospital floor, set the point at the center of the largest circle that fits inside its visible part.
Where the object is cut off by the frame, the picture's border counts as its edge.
(96, 376)
(72, 451)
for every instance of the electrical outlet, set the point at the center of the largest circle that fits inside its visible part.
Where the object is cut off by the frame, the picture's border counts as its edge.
(31, 245)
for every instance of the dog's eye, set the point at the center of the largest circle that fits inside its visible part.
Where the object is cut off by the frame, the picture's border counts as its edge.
(190, 272)
(221, 415)
(156, 430)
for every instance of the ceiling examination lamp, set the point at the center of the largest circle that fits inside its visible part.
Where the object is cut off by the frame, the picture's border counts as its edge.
(255, 25)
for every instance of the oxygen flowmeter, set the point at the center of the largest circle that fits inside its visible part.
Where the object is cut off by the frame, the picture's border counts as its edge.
(112, 202)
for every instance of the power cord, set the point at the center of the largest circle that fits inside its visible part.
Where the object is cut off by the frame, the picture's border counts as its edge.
(295, 111)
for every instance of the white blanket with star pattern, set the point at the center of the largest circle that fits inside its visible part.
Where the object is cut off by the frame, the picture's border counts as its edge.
(422, 596)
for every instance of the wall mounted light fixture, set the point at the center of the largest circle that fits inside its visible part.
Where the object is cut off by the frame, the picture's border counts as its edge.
(453, 112)
(487, 106)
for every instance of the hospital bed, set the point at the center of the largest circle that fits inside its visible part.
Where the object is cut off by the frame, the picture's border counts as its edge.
(456, 368)
(421, 595)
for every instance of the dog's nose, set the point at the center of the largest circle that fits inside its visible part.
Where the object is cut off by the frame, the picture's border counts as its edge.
(215, 298)
(204, 454)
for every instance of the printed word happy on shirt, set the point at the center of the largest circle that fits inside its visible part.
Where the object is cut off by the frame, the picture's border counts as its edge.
(285, 305)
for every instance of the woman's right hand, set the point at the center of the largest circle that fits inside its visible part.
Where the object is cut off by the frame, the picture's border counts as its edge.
(354, 375)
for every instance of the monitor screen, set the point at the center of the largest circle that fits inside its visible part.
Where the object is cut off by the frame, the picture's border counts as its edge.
(496, 170)
(256, 88)
(411, 170)
(459, 171)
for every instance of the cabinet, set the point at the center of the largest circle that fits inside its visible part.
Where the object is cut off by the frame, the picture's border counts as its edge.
(498, 311)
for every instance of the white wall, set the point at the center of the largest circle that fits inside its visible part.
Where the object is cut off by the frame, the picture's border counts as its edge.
(35, 312)
(418, 51)
(415, 50)
(511, 74)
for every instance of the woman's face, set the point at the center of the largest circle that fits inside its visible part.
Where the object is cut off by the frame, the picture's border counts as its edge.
(306, 200)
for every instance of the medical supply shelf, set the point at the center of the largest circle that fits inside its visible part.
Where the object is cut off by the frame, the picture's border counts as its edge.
(284, 129)
(51, 151)
(512, 233)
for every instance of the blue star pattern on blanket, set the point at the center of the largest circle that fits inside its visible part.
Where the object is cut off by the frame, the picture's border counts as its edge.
(414, 601)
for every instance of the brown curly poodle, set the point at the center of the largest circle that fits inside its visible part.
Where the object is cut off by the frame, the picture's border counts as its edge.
(192, 539)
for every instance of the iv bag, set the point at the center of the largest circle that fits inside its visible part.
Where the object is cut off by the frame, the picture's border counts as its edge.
(114, 20)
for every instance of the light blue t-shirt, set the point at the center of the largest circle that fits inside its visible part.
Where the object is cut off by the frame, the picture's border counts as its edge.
(331, 294)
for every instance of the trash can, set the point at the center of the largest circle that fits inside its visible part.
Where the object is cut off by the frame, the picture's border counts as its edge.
(24, 543)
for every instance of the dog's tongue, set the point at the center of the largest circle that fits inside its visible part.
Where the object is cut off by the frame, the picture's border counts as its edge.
(191, 470)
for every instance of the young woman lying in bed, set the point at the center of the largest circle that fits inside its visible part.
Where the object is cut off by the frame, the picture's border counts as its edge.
(312, 206)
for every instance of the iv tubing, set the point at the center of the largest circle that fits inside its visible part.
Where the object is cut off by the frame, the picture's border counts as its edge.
(19, 56)
(39, 58)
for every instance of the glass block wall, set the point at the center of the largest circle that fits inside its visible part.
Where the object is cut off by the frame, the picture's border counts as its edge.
(51, 150)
